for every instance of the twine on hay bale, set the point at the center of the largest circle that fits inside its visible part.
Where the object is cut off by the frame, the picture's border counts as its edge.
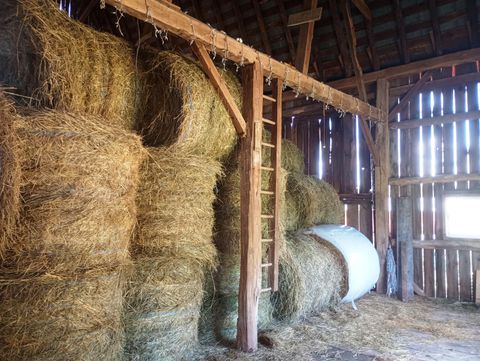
(9, 174)
(64, 64)
(185, 111)
(311, 279)
(61, 273)
(172, 249)
(50, 318)
(311, 201)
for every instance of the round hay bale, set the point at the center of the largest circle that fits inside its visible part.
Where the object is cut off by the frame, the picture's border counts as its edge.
(185, 111)
(9, 174)
(175, 206)
(78, 185)
(64, 64)
(311, 279)
(292, 157)
(311, 201)
(163, 308)
(49, 318)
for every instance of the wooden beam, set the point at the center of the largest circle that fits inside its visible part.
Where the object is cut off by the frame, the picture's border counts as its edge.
(410, 94)
(190, 28)
(304, 17)
(441, 119)
(250, 205)
(436, 27)
(463, 244)
(405, 247)
(262, 27)
(340, 36)
(286, 29)
(397, 8)
(221, 88)
(304, 47)
(352, 44)
(363, 8)
(460, 57)
(371, 45)
(477, 287)
(442, 178)
(382, 173)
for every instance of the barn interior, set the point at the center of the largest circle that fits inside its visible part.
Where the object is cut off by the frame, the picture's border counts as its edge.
(239, 180)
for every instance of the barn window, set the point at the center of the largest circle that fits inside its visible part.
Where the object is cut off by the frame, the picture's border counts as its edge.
(461, 216)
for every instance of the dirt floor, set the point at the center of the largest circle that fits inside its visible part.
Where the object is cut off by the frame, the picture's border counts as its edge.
(381, 329)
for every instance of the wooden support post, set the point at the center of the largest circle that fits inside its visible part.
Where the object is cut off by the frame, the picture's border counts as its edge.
(477, 287)
(250, 205)
(304, 47)
(405, 248)
(382, 173)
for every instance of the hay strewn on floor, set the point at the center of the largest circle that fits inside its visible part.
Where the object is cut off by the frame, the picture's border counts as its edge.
(172, 249)
(9, 174)
(184, 110)
(61, 274)
(311, 201)
(64, 64)
(311, 279)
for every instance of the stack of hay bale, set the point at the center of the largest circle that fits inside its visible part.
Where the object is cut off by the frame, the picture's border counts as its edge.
(173, 248)
(69, 181)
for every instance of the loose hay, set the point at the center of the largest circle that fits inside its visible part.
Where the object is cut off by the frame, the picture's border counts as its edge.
(311, 201)
(172, 249)
(78, 185)
(50, 318)
(185, 112)
(9, 174)
(64, 64)
(163, 307)
(292, 158)
(311, 279)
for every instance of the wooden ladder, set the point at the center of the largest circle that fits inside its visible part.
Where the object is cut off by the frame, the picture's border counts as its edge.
(271, 236)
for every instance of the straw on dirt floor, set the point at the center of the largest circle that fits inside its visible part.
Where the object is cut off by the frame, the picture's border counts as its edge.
(185, 111)
(311, 279)
(79, 179)
(64, 64)
(311, 201)
(50, 318)
(172, 249)
(9, 173)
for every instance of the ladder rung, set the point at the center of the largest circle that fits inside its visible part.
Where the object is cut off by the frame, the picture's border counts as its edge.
(266, 289)
(269, 169)
(269, 145)
(267, 265)
(268, 216)
(267, 240)
(270, 99)
(267, 192)
(268, 121)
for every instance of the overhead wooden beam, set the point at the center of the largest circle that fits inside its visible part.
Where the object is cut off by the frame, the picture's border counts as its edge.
(221, 88)
(250, 205)
(460, 57)
(306, 16)
(340, 36)
(441, 119)
(436, 27)
(441, 178)
(410, 94)
(304, 46)
(363, 8)
(286, 29)
(382, 174)
(190, 28)
(397, 8)
(352, 44)
(262, 27)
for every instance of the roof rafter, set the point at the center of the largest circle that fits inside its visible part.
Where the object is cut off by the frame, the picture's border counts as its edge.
(262, 27)
(397, 8)
(286, 29)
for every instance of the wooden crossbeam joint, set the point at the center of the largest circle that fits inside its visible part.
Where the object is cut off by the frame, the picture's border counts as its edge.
(306, 16)
(218, 83)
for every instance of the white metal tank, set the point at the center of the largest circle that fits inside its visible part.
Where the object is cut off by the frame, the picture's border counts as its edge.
(361, 258)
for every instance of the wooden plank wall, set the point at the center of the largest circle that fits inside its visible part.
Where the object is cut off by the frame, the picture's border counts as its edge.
(435, 150)
(330, 144)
